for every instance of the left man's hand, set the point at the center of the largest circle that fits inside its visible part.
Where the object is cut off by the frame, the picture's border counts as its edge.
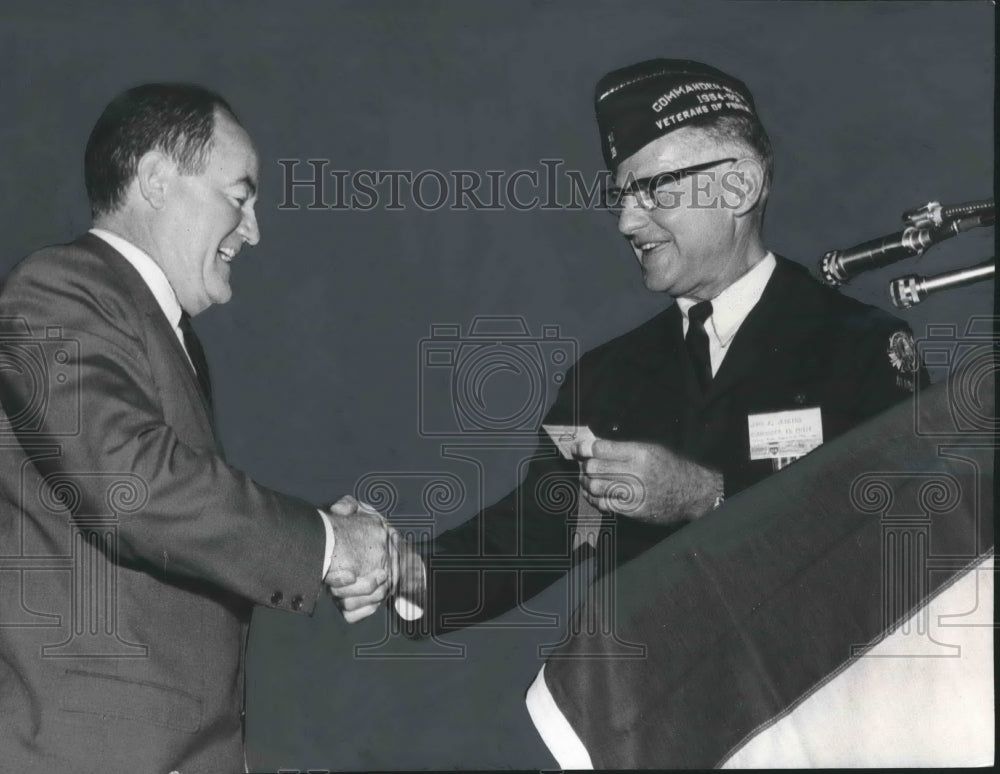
(402, 574)
(364, 564)
(646, 481)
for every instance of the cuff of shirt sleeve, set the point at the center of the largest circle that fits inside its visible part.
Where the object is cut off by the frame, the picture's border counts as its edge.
(331, 542)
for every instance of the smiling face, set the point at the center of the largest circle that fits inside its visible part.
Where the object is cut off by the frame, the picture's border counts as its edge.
(699, 242)
(207, 217)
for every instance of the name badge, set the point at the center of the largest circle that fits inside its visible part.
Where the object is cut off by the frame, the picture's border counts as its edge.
(785, 435)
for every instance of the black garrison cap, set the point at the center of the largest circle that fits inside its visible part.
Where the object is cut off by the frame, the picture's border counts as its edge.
(642, 102)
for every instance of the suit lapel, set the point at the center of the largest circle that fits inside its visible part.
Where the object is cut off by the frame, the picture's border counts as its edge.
(159, 332)
(660, 363)
(657, 397)
(766, 331)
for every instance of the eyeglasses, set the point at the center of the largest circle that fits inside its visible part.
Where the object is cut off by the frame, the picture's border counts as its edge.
(651, 193)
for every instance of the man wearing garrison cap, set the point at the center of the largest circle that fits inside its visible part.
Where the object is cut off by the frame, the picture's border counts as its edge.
(753, 365)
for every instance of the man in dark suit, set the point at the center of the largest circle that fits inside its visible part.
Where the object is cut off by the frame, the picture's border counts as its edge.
(753, 365)
(134, 553)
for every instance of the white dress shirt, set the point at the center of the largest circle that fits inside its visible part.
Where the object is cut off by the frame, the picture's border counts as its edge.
(166, 298)
(730, 308)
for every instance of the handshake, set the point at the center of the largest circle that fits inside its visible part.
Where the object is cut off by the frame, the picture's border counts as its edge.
(370, 562)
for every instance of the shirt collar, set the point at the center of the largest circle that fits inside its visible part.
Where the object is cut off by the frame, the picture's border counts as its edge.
(150, 272)
(731, 307)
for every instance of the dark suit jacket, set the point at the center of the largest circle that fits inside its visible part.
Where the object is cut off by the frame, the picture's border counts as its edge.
(803, 345)
(131, 554)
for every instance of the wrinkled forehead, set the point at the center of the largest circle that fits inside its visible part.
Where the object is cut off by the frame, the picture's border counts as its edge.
(681, 148)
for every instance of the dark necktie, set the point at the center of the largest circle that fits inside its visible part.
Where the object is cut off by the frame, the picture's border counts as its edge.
(697, 343)
(197, 355)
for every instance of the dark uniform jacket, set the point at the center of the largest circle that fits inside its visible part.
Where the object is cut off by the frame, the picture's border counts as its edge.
(803, 345)
(131, 554)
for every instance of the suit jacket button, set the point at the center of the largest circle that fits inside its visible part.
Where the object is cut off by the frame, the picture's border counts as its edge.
(276, 598)
(614, 428)
(799, 398)
(297, 602)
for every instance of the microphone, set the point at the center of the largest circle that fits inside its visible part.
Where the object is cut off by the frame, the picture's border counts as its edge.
(928, 225)
(839, 266)
(911, 289)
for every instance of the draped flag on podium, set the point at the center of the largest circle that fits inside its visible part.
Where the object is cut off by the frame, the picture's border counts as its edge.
(838, 614)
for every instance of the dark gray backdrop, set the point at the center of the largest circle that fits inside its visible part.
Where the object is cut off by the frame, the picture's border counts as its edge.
(873, 108)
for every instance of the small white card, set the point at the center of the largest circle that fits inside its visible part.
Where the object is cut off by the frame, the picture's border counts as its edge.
(564, 436)
(781, 434)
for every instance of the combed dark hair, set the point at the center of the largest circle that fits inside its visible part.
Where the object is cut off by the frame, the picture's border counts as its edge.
(175, 118)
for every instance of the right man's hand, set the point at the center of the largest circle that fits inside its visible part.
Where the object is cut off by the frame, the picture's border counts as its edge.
(646, 481)
(410, 586)
(364, 562)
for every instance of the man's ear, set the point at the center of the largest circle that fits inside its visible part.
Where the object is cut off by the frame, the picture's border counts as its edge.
(743, 186)
(153, 175)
